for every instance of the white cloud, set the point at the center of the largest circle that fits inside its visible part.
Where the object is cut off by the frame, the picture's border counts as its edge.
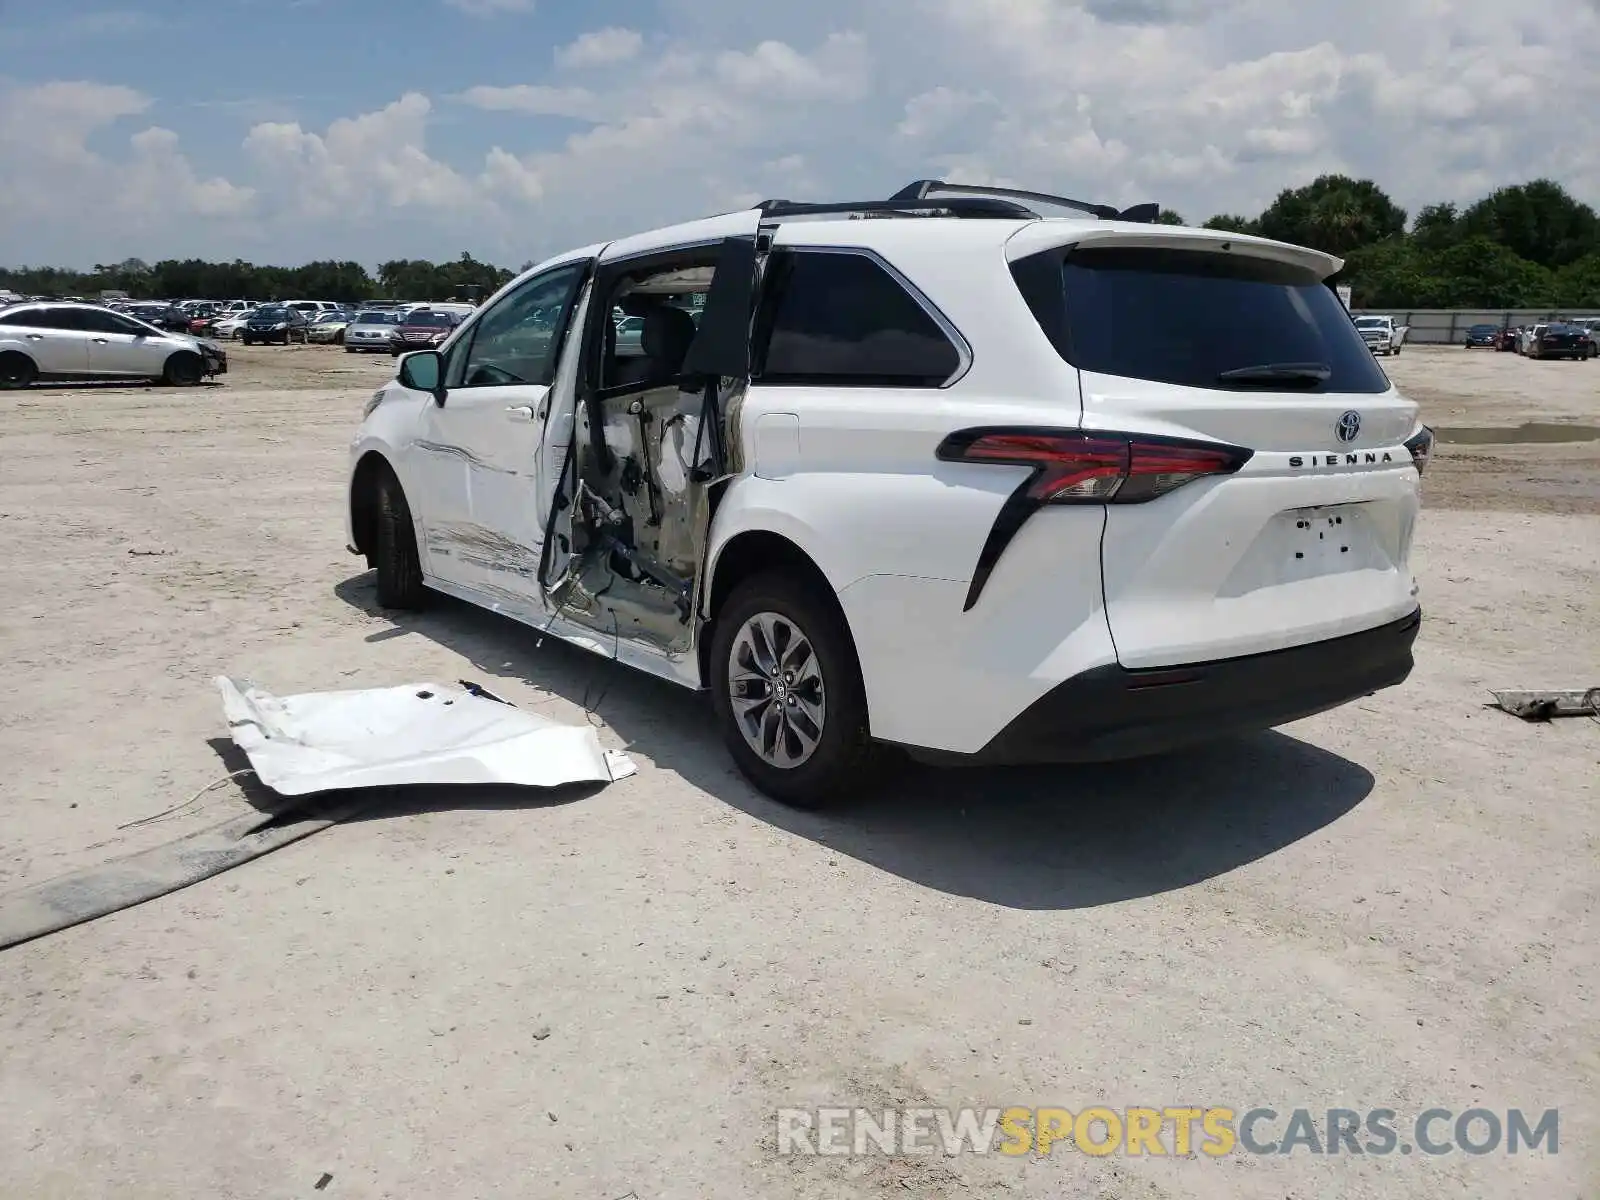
(52, 181)
(600, 48)
(933, 112)
(1203, 105)
(363, 164)
(534, 99)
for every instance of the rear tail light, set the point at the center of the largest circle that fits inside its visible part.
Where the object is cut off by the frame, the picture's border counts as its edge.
(1420, 444)
(1073, 467)
(1070, 467)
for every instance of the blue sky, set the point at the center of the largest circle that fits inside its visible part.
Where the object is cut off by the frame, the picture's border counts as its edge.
(283, 130)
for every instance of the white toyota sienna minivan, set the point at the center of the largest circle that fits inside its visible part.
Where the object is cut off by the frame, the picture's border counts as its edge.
(986, 475)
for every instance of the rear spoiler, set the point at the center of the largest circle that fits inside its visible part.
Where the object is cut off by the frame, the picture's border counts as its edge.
(1031, 239)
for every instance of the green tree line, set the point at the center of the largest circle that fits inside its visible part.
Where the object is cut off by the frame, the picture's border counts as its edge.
(173, 279)
(1528, 246)
(1531, 245)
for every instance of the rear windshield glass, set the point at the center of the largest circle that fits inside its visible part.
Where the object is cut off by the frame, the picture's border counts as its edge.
(1192, 317)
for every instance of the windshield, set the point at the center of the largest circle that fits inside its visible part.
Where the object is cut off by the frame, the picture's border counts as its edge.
(1483, 329)
(1200, 319)
(277, 313)
(375, 318)
(1370, 322)
(431, 320)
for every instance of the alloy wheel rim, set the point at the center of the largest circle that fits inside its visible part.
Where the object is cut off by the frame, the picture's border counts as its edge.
(776, 690)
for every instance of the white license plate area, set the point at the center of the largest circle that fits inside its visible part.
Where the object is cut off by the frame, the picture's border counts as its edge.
(1324, 541)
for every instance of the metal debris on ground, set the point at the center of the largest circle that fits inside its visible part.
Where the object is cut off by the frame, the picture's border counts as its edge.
(1542, 706)
(416, 734)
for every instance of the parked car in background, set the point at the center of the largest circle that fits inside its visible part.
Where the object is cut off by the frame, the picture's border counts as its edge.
(370, 330)
(329, 328)
(312, 308)
(1483, 335)
(86, 341)
(231, 327)
(1383, 335)
(630, 335)
(1558, 340)
(422, 328)
(1507, 339)
(275, 323)
(167, 317)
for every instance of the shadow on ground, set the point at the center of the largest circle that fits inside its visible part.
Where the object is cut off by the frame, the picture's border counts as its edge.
(1032, 838)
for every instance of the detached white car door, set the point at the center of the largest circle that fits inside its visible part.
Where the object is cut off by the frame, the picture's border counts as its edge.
(478, 448)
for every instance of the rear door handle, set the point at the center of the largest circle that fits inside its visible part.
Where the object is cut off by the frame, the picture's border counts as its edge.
(520, 412)
(102, 341)
(35, 337)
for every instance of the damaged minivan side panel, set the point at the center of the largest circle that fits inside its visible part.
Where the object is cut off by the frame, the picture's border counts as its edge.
(625, 548)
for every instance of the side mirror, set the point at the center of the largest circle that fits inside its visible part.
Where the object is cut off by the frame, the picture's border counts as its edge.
(423, 371)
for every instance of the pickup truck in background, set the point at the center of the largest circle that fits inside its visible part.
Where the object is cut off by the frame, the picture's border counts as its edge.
(1381, 334)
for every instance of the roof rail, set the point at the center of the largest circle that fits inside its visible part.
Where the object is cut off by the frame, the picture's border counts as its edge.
(918, 190)
(964, 206)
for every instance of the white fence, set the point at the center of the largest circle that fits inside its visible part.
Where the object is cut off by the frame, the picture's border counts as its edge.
(1448, 326)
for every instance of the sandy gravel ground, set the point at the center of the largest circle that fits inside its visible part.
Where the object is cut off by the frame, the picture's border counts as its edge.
(607, 994)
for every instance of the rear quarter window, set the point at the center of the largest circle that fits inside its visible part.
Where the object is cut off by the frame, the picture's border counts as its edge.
(1188, 316)
(835, 319)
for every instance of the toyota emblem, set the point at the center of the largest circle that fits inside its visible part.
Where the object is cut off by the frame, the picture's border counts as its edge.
(1349, 426)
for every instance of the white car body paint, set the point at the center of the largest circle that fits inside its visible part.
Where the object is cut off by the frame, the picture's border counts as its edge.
(420, 733)
(850, 477)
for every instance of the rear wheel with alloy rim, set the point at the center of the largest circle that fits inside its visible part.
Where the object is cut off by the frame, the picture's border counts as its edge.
(788, 693)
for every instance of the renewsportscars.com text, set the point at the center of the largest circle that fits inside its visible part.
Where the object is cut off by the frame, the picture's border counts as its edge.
(1179, 1131)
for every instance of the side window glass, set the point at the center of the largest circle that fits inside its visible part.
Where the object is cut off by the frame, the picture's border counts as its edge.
(518, 340)
(837, 319)
(23, 316)
(100, 322)
(68, 320)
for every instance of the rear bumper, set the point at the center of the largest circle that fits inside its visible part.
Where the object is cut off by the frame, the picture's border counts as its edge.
(1111, 712)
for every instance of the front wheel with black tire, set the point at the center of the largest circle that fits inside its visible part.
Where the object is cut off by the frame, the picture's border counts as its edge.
(17, 371)
(183, 369)
(787, 689)
(395, 552)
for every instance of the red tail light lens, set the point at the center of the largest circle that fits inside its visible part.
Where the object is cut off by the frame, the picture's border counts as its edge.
(1071, 467)
(1420, 444)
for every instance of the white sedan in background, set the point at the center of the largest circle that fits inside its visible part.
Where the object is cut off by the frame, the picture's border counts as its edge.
(58, 341)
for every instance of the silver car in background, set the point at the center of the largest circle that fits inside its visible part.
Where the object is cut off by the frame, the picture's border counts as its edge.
(57, 341)
(370, 330)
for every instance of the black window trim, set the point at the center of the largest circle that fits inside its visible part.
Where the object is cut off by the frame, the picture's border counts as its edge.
(963, 348)
(465, 334)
